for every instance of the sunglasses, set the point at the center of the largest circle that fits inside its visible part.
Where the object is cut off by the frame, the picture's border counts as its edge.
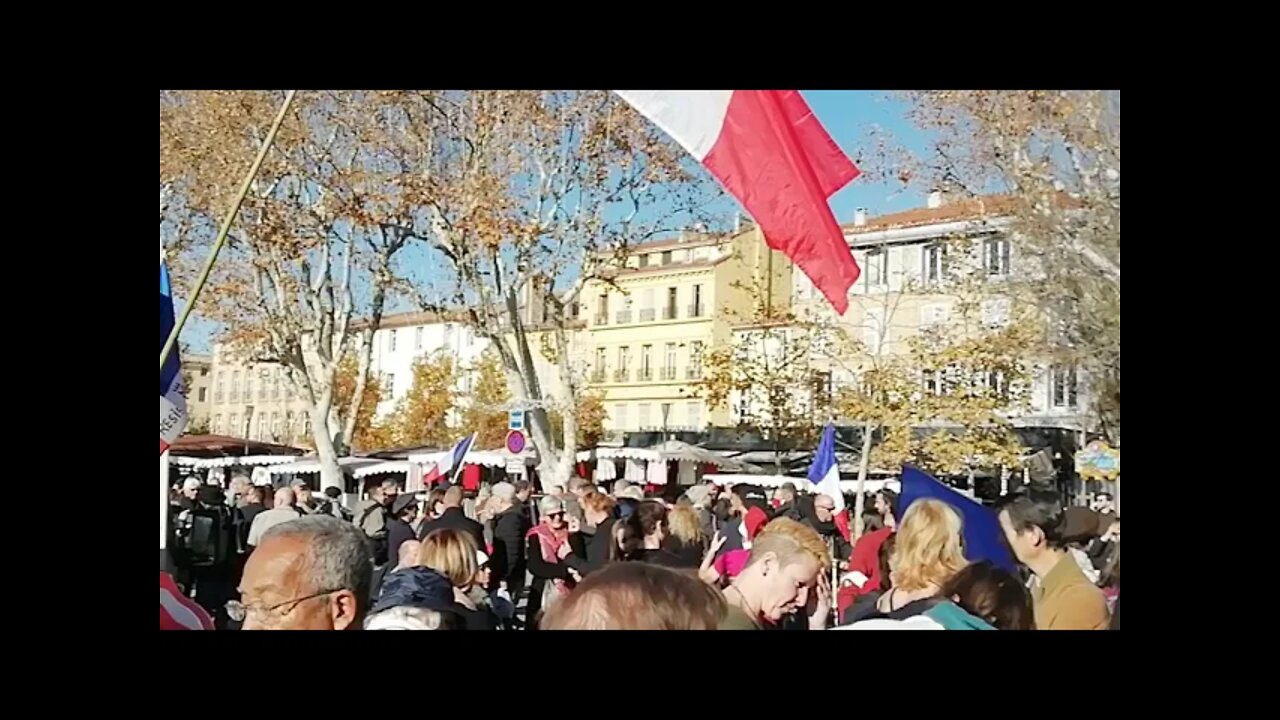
(555, 515)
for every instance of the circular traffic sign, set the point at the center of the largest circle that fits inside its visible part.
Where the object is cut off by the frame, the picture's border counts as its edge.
(515, 442)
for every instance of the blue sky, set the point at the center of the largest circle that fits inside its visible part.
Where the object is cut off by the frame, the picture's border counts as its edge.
(848, 115)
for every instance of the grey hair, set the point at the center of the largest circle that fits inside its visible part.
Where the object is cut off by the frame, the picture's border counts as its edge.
(337, 557)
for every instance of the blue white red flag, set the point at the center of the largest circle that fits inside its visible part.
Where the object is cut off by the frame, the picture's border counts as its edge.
(173, 406)
(824, 474)
(445, 466)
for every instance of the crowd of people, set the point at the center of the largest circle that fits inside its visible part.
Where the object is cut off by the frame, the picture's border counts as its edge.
(588, 557)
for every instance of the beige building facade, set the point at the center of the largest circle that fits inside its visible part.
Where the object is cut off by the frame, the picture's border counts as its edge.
(670, 303)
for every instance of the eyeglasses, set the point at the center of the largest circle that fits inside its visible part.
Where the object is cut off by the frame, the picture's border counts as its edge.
(239, 612)
(555, 514)
(824, 507)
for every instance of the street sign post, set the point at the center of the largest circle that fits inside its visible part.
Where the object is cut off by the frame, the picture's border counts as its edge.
(515, 420)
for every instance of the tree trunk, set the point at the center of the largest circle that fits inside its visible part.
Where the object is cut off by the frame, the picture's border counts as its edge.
(863, 464)
(330, 470)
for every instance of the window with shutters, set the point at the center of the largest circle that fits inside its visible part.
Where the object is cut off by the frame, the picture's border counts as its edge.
(995, 312)
(1063, 386)
(934, 263)
(878, 267)
(995, 256)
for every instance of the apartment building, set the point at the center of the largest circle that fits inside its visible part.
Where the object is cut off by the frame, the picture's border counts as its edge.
(255, 401)
(669, 303)
(908, 263)
(404, 338)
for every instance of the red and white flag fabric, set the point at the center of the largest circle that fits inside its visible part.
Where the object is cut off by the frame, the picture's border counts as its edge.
(179, 612)
(770, 152)
(173, 406)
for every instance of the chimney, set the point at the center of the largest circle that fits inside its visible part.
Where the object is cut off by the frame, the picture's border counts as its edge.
(860, 217)
(737, 222)
(935, 198)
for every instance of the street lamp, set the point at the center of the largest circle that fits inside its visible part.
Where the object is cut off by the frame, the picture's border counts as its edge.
(248, 418)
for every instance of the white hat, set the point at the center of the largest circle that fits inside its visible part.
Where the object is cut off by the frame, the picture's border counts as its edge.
(633, 492)
(481, 558)
(191, 484)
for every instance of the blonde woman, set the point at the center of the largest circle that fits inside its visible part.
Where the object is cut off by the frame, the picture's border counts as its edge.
(926, 555)
(453, 554)
(685, 538)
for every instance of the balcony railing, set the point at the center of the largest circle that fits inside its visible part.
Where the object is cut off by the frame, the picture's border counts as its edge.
(645, 374)
(624, 316)
(621, 376)
(647, 315)
(597, 376)
(602, 320)
(693, 373)
(668, 313)
(695, 310)
(668, 373)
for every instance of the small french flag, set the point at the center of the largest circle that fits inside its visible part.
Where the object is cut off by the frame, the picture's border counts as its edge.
(824, 474)
(442, 472)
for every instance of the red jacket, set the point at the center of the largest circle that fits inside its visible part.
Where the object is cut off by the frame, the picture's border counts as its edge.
(866, 558)
(755, 520)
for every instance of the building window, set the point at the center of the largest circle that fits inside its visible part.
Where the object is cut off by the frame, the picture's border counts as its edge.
(275, 385)
(204, 371)
(389, 383)
(935, 382)
(620, 417)
(263, 380)
(820, 390)
(934, 314)
(646, 362)
(624, 363)
(288, 425)
(666, 257)
(669, 367)
(695, 360)
(306, 424)
(597, 373)
(644, 260)
(646, 305)
(694, 409)
(417, 337)
(275, 426)
(217, 424)
(234, 429)
(878, 267)
(993, 381)
(217, 388)
(669, 312)
(602, 309)
(995, 312)
(391, 341)
(995, 256)
(1064, 386)
(873, 331)
(248, 386)
(624, 315)
(202, 394)
(235, 386)
(935, 256)
(666, 415)
(643, 416)
(695, 308)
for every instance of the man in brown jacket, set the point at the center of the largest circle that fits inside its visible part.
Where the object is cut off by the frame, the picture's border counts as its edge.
(1033, 523)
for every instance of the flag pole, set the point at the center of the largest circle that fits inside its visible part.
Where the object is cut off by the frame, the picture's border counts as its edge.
(227, 221)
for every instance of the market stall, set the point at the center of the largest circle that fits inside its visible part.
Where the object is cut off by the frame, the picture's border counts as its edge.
(216, 458)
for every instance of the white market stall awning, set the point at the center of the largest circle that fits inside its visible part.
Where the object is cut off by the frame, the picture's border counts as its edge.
(769, 481)
(312, 465)
(230, 461)
(676, 450)
(486, 458)
(382, 468)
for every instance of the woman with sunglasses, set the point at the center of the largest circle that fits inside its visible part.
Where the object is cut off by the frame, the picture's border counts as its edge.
(547, 546)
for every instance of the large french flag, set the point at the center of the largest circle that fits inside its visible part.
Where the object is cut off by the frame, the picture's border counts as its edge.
(173, 406)
(443, 471)
(824, 475)
(770, 152)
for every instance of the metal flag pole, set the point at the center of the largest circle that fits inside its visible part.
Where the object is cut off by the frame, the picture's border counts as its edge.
(226, 228)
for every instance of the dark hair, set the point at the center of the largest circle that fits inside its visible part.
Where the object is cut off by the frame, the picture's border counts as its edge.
(521, 485)
(891, 499)
(871, 522)
(1036, 508)
(645, 520)
(723, 510)
(257, 494)
(435, 496)
(332, 492)
(211, 495)
(1111, 572)
(882, 559)
(992, 594)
